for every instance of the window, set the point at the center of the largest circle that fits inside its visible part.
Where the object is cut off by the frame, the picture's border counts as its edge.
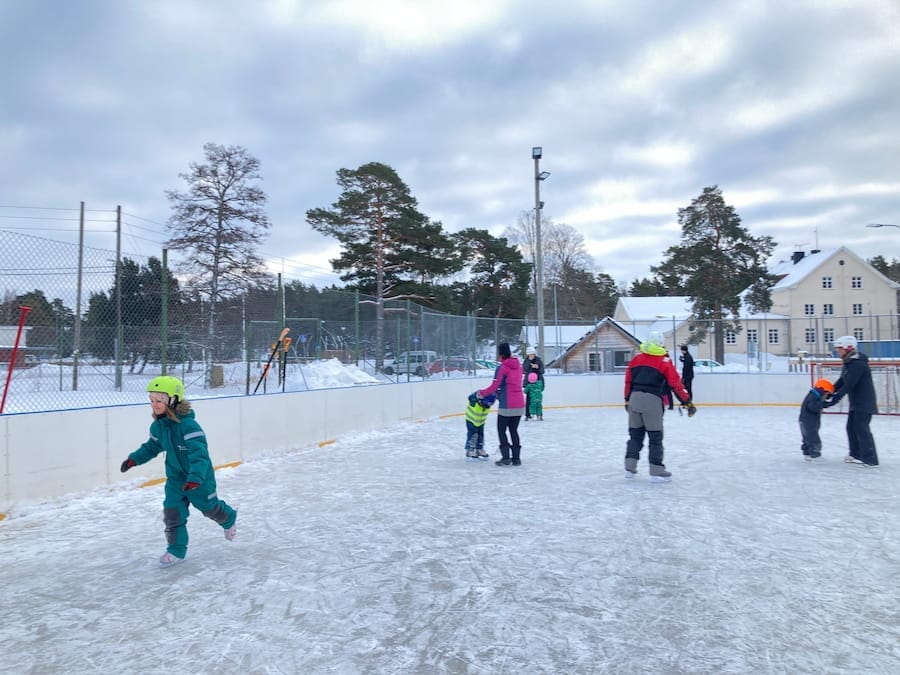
(828, 334)
(809, 335)
(809, 309)
(730, 337)
(827, 282)
(858, 333)
(593, 362)
(857, 308)
(773, 336)
(621, 358)
(752, 335)
(828, 308)
(855, 282)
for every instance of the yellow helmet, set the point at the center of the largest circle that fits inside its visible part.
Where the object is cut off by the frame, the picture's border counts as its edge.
(168, 385)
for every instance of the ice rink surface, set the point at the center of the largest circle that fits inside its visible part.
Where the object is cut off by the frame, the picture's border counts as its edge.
(385, 552)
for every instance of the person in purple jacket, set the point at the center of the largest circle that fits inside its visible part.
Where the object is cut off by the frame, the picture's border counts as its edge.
(507, 385)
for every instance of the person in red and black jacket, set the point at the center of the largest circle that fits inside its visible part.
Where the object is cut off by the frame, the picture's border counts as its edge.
(649, 374)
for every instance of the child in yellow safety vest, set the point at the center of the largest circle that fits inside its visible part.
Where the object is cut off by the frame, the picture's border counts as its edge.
(476, 414)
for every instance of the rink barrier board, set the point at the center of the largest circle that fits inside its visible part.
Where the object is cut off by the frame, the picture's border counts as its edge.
(49, 454)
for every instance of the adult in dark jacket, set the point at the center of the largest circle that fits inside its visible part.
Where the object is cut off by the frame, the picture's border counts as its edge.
(646, 378)
(856, 384)
(533, 364)
(687, 370)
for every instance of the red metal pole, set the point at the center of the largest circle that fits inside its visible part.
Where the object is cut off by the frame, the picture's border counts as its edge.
(23, 312)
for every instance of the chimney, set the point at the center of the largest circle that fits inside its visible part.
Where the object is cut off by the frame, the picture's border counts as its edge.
(797, 256)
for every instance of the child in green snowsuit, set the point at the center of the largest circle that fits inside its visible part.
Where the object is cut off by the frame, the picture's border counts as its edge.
(534, 390)
(189, 471)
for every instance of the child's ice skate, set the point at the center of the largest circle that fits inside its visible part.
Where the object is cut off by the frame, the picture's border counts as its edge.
(168, 560)
(658, 474)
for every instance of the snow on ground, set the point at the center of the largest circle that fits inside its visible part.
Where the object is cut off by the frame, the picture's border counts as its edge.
(50, 386)
(387, 553)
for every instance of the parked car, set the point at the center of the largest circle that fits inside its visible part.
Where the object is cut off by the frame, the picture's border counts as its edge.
(709, 364)
(415, 363)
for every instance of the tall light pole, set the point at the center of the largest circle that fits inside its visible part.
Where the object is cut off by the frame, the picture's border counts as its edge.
(539, 175)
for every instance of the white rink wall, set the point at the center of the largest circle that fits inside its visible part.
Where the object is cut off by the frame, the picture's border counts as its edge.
(49, 454)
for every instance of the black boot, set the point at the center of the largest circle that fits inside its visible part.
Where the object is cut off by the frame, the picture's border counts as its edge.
(504, 461)
(515, 455)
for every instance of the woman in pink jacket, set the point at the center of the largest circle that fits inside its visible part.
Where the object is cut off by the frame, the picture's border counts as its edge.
(507, 385)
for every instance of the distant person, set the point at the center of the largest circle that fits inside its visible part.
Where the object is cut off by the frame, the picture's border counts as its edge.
(533, 364)
(476, 415)
(190, 479)
(687, 370)
(534, 397)
(646, 377)
(856, 384)
(507, 384)
(811, 419)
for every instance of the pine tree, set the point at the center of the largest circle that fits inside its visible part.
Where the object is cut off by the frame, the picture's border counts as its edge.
(718, 263)
(390, 250)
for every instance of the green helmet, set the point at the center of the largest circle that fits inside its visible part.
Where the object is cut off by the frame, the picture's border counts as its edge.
(167, 385)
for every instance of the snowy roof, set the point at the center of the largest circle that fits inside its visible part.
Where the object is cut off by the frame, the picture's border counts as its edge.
(793, 273)
(556, 336)
(645, 309)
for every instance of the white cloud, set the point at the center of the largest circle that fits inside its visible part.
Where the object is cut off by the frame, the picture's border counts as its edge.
(402, 25)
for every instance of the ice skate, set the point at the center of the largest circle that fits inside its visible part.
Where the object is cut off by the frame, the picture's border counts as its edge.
(482, 455)
(852, 460)
(630, 468)
(471, 456)
(168, 560)
(658, 474)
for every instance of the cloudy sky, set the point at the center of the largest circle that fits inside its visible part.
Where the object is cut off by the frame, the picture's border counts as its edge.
(792, 108)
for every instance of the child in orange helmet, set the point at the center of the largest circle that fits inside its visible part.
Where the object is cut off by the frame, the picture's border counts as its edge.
(811, 418)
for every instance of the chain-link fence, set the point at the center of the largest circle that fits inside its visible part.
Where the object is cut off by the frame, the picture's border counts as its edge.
(137, 323)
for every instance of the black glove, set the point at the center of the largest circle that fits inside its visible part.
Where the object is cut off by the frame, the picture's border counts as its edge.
(127, 464)
(690, 407)
(829, 402)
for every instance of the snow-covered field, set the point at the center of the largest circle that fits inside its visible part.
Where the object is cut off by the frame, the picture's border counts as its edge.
(387, 553)
(50, 386)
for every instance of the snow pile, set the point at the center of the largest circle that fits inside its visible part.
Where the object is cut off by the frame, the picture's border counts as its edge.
(327, 374)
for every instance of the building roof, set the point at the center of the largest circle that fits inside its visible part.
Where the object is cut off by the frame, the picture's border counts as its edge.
(556, 336)
(662, 307)
(589, 334)
(791, 273)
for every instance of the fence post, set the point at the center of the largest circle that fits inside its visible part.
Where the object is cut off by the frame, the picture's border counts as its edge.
(119, 332)
(76, 338)
(164, 312)
(356, 326)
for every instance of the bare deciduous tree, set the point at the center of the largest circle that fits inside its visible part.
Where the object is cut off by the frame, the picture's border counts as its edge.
(220, 221)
